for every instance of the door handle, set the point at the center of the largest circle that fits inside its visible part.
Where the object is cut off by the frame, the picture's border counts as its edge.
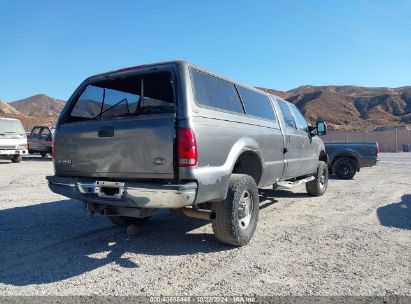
(106, 132)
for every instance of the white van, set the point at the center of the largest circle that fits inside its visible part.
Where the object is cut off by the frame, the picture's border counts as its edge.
(13, 140)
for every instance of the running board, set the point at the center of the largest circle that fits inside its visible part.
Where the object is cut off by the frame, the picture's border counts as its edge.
(289, 185)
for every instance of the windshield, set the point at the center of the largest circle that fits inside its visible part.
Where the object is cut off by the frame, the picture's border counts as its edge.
(11, 126)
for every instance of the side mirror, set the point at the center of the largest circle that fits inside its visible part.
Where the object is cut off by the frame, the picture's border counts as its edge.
(321, 128)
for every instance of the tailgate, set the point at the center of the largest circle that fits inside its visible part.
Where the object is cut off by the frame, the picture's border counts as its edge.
(139, 147)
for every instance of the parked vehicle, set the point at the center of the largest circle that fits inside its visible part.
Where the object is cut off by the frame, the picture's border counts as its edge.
(173, 135)
(13, 139)
(40, 140)
(347, 158)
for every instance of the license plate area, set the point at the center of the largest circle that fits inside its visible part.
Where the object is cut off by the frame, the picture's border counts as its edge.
(110, 189)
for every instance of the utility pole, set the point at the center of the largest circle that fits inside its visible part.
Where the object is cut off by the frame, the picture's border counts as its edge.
(378, 135)
(362, 125)
(396, 139)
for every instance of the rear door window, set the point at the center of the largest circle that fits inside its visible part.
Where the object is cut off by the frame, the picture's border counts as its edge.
(45, 134)
(35, 133)
(126, 96)
(287, 116)
(213, 92)
(256, 104)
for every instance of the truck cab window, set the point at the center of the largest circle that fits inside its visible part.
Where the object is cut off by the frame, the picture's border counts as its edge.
(300, 120)
(256, 104)
(288, 117)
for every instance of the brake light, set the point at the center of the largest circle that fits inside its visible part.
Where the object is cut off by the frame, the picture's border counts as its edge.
(131, 68)
(377, 150)
(187, 148)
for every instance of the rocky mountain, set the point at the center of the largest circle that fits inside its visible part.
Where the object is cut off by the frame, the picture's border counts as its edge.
(35, 110)
(39, 105)
(7, 109)
(352, 107)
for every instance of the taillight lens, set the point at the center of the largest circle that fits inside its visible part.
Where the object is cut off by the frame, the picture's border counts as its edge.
(187, 148)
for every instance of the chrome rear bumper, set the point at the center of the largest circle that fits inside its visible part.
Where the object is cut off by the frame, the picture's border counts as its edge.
(127, 194)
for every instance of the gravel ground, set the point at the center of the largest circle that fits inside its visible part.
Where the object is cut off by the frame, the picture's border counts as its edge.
(355, 240)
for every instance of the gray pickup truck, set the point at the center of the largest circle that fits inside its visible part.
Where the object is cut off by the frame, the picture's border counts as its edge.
(173, 135)
(347, 158)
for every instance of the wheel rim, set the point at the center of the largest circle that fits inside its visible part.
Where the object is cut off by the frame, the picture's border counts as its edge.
(245, 208)
(345, 170)
(323, 179)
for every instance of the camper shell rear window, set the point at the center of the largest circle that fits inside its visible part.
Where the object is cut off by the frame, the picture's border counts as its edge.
(125, 96)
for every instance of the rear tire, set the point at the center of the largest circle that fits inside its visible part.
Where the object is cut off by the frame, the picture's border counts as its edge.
(318, 186)
(16, 158)
(43, 154)
(124, 221)
(344, 168)
(236, 217)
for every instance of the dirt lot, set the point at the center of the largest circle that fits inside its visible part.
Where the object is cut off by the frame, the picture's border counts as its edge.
(355, 240)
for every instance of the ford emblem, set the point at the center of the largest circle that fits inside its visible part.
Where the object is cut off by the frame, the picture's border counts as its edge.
(159, 161)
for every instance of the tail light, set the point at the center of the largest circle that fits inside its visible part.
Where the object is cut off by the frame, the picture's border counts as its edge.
(187, 148)
(377, 150)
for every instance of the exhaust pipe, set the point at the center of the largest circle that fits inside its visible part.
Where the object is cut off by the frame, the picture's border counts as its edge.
(195, 213)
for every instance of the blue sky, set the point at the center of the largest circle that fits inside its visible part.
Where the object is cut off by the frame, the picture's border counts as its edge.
(51, 46)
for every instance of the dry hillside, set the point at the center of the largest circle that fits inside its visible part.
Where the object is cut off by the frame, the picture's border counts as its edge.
(39, 105)
(6, 109)
(351, 107)
(35, 110)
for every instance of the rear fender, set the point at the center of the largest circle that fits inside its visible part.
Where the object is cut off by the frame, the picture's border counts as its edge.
(213, 180)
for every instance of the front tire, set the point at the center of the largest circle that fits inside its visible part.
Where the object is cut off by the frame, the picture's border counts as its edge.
(344, 168)
(318, 186)
(124, 221)
(236, 217)
(16, 158)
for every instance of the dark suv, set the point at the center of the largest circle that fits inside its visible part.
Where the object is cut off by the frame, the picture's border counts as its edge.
(40, 140)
